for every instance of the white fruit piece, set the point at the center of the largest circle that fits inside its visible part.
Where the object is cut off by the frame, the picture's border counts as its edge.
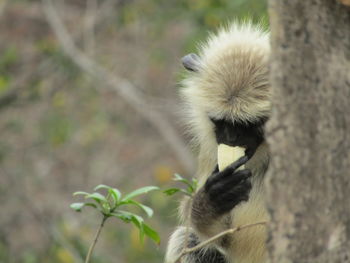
(228, 154)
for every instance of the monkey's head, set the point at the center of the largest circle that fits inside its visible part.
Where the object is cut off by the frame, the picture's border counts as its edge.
(227, 94)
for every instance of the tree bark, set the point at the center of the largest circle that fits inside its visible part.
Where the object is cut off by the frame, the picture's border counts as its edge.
(309, 132)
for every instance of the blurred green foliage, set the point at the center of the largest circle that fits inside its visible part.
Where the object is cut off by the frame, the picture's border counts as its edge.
(7, 60)
(56, 128)
(207, 15)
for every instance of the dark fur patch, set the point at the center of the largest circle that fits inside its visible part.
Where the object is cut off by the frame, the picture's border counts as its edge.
(245, 134)
(209, 255)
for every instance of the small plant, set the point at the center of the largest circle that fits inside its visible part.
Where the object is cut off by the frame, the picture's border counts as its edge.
(109, 206)
(190, 189)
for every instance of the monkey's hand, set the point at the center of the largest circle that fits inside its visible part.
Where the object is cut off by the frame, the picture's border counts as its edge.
(223, 190)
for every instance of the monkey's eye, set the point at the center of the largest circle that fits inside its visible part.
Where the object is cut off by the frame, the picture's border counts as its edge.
(191, 62)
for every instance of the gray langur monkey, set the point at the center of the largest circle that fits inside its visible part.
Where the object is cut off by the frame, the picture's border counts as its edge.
(227, 100)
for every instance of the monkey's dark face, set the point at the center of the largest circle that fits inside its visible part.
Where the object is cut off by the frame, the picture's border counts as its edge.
(244, 134)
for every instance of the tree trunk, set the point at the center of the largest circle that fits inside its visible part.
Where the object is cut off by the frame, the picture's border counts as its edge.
(309, 132)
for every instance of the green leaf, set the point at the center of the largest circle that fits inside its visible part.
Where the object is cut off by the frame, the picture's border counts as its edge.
(191, 186)
(102, 186)
(97, 197)
(139, 223)
(113, 192)
(80, 193)
(150, 232)
(78, 206)
(140, 191)
(145, 208)
(116, 194)
(179, 178)
(129, 217)
(106, 208)
(123, 216)
(194, 184)
(171, 191)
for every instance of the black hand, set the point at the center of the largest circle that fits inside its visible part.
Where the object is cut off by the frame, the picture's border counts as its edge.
(228, 188)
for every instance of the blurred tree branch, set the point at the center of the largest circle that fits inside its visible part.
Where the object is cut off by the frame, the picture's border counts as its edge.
(122, 86)
(89, 26)
(2, 6)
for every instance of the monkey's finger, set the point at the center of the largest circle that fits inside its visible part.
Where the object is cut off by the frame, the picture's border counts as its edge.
(229, 170)
(241, 161)
(219, 178)
(225, 184)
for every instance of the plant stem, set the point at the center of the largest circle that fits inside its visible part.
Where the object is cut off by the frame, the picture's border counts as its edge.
(92, 246)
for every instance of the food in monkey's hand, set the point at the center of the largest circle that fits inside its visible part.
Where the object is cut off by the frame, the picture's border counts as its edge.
(229, 154)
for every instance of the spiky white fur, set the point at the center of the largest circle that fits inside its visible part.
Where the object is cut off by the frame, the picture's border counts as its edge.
(231, 83)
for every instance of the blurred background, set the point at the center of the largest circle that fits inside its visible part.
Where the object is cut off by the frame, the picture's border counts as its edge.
(88, 96)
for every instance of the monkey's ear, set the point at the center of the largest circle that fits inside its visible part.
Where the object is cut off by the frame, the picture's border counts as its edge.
(191, 62)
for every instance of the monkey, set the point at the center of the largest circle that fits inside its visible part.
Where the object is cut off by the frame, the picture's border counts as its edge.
(226, 99)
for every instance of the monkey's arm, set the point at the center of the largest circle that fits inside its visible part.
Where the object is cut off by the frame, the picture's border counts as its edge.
(204, 255)
(212, 204)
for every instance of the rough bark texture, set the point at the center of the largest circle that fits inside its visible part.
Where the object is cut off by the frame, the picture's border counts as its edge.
(309, 132)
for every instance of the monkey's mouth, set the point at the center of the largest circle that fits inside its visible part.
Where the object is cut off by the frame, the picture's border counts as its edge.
(228, 154)
(250, 145)
(248, 136)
